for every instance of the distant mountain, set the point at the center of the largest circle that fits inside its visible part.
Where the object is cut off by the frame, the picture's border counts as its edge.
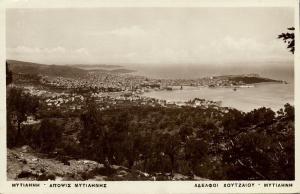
(112, 71)
(96, 66)
(60, 70)
(122, 71)
(246, 78)
(48, 70)
(252, 80)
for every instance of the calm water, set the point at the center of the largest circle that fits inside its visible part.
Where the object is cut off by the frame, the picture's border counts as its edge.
(271, 95)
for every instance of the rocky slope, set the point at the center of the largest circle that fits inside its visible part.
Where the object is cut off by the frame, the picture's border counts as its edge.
(25, 164)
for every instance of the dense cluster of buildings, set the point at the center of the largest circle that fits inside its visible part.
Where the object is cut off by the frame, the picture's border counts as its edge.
(73, 101)
(95, 80)
(108, 90)
(108, 82)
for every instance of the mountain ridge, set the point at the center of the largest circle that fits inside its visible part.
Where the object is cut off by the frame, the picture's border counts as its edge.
(57, 70)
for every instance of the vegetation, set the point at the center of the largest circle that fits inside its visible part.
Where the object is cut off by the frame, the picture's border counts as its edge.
(20, 105)
(8, 74)
(218, 144)
(206, 142)
(251, 80)
(21, 67)
(289, 38)
(74, 71)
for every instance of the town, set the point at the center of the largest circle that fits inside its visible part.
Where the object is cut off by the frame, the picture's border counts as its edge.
(93, 117)
(110, 89)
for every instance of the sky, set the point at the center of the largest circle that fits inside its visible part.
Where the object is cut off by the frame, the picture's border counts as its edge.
(148, 36)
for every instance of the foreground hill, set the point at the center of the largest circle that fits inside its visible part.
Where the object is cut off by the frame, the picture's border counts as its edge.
(25, 164)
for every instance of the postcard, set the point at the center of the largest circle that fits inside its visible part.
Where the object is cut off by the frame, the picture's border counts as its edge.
(149, 96)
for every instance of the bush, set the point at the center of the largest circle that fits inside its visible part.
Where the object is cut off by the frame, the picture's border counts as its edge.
(49, 136)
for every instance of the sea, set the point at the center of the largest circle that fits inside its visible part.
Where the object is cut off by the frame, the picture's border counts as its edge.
(269, 95)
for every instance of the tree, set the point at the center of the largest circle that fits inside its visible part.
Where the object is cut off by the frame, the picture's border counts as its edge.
(185, 131)
(232, 122)
(170, 145)
(247, 157)
(289, 38)
(92, 137)
(118, 137)
(20, 105)
(8, 74)
(195, 152)
(289, 111)
(262, 115)
(146, 150)
(49, 135)
(132, 146)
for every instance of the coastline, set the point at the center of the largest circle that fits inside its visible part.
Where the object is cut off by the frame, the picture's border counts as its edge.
(225, 95)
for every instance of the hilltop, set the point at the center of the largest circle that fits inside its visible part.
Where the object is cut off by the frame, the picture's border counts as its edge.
(68, 71)
(245, 78)
(48, 70)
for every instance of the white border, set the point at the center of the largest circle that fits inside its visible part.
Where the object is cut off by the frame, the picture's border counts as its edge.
(144, 186)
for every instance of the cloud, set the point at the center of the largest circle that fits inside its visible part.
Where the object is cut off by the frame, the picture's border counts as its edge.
(48, 55)
(36, 50)
(58, 49)
(241, 44)
(125, 32)
(42, 51)
(225, 50)
(82, 51)
(23, 49)
(247, 49)
(131, 31)
(154, 48)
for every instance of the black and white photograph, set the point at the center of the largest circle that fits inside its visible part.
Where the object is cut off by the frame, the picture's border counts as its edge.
(150, 93)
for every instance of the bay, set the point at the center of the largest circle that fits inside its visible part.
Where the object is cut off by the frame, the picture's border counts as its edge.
(270, 95)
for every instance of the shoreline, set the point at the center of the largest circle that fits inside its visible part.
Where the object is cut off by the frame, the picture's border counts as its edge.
(228, 97)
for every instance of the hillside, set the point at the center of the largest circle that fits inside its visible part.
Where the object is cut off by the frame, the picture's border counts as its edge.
(25, 164)
(48, 70)
(68, 71)
(159, 141)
